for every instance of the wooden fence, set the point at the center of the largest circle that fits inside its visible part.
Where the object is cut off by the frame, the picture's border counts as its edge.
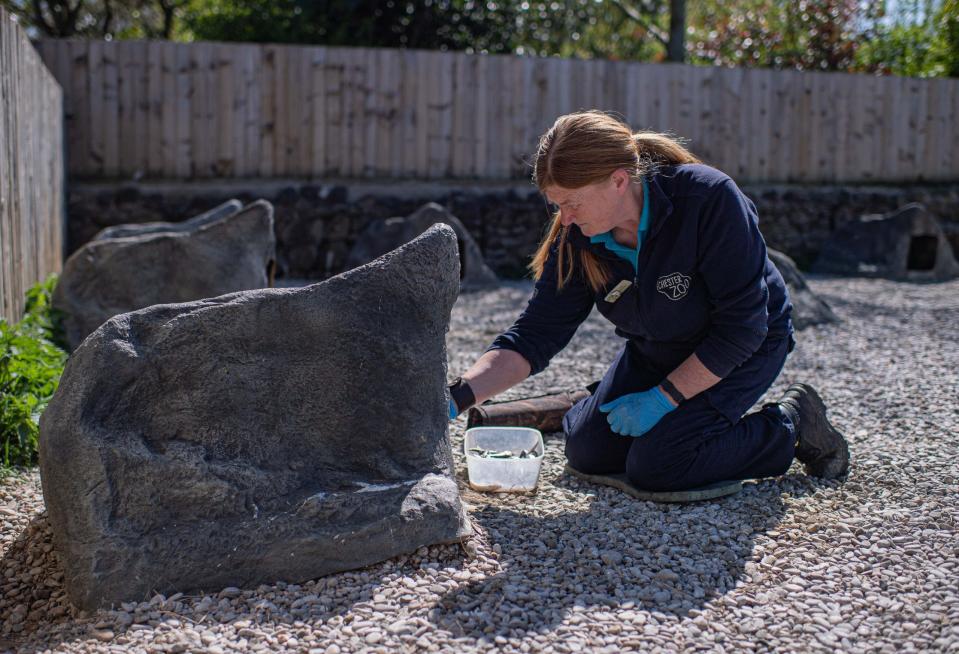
(31, 169)
(204, 110)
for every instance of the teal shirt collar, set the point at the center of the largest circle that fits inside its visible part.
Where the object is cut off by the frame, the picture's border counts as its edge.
(622, 251)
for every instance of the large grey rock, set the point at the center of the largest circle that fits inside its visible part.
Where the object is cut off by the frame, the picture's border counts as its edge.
(907, 244)
(808, 308)
(386, 234)
(275, 434)
(228, 208)
(207, 256)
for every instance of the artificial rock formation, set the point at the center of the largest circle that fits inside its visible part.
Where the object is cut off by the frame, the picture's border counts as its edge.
(808, 308)
(386, 234)
(907, 244)
(219, 252)
(218, 212)
(275, 434)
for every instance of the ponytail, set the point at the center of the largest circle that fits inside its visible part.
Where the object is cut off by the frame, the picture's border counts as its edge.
(658, 149)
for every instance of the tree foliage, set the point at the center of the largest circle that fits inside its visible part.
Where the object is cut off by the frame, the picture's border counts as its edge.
(927, 47)
(100, 19)
(804, 35)
(947, 38)
(429, 24)
(570, 28)
(918, 37)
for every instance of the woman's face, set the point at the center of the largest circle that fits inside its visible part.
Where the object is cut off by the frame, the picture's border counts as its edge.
(596, 208)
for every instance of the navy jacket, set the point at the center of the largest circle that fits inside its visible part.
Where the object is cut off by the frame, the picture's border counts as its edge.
(704, 283)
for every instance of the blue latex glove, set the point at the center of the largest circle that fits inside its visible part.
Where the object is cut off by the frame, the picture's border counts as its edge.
(637, 413)
(453, 410)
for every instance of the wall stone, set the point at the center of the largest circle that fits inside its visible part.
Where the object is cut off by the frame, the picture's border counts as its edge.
(317, 224)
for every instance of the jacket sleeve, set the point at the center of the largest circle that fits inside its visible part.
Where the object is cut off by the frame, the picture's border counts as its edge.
(732, 259)
(551, 317)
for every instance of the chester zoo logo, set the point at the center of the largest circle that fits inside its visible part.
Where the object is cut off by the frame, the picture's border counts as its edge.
(674, 286)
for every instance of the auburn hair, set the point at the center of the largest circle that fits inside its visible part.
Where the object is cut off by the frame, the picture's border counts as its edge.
(584, 148)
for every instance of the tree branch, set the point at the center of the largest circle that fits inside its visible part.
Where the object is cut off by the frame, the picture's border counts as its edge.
(648, 25)
(168, 9)
(40, 20)
(73, 14)
(107, 18)
(676, 50)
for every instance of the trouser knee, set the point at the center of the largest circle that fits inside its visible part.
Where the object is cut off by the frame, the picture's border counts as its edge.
(651, 467)
(581, 453)
(590, 447)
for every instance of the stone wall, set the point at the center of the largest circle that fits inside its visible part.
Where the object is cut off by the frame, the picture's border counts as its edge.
(317, 224)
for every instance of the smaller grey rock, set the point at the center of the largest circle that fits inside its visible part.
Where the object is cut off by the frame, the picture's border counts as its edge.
(220, 252)
(808, 308)
(387, 234)
(218, 212)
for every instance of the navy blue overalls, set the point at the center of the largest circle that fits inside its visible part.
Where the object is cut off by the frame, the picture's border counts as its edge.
(704, 284)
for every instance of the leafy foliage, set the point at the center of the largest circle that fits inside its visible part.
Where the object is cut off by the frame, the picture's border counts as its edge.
(31, 362)
(927, 48)
(100, 19)
(427, 24)
(904, 37)
(899, 50)
(805, 35)
(947, 38)
(569, 28)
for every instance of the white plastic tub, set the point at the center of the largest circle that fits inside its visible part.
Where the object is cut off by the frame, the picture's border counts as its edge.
(503, 475)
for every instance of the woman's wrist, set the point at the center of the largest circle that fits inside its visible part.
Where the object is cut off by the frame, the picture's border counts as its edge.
(671, 392)
(461, 394)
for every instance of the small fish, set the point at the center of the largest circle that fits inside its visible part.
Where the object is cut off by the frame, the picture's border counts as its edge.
(501, 454)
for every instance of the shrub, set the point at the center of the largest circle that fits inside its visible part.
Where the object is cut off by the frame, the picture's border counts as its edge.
(31, 362)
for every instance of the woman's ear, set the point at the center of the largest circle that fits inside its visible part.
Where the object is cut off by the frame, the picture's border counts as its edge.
(621, 180)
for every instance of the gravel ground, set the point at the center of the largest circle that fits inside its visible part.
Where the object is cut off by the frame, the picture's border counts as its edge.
(790, 564)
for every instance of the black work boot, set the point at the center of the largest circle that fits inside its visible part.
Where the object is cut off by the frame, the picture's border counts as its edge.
(819, 445)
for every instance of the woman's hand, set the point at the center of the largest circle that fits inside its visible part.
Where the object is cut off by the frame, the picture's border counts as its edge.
(637, 413)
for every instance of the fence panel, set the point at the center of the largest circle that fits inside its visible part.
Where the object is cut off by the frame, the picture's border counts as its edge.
(205, 110)
(31, 167)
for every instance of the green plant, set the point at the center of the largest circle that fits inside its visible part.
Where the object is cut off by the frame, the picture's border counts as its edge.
(945, 51)
(31, 362)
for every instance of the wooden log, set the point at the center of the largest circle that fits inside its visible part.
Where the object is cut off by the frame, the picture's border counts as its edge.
(544, 413)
